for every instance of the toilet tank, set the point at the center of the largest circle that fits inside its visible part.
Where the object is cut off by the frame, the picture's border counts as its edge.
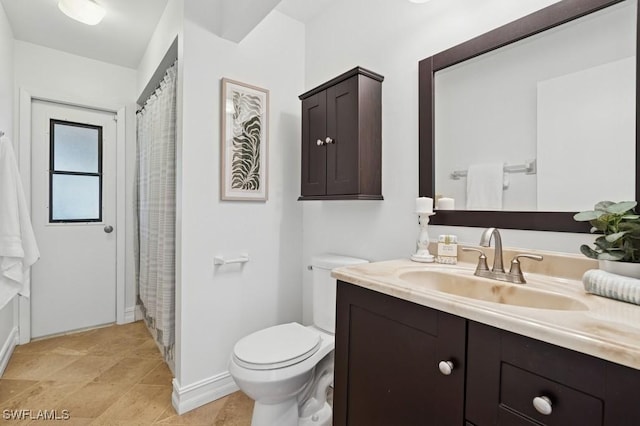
(324, 288)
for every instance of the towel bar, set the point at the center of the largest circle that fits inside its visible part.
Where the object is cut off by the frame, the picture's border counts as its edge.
(529, 168)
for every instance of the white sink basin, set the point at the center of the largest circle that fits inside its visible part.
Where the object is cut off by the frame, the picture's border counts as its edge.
(488, 290)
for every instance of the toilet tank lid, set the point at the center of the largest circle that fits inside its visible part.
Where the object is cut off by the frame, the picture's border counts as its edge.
(330, 261)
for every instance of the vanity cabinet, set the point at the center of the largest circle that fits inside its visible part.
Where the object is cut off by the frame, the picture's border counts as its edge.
(506, 371)
(342, 138)
(387, 359)
(388, 352)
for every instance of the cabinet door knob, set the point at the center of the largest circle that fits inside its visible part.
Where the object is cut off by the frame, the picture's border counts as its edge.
(446, 367)
(543, 405)
(319, 142)
(328, 140)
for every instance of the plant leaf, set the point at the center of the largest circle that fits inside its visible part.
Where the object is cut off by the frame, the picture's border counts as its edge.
(602, 205)
(621, 207)
(587, 216)
(602, 244)
(632, 227)
(612, 238)
(588, 251)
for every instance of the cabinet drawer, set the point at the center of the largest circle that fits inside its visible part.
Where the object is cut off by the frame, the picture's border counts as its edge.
(569, 406)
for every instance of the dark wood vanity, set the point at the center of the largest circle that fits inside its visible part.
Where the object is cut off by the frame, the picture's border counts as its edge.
(388, 352)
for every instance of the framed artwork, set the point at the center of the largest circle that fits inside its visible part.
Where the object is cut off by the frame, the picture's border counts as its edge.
(245, 142)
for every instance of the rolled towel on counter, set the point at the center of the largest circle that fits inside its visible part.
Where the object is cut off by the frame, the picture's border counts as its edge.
(613, 286)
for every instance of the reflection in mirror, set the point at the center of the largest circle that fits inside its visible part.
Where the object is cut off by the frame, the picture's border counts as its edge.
(557, 108)
(533, 144)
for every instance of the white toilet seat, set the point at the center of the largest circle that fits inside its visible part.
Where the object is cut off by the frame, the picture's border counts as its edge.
(276, 347)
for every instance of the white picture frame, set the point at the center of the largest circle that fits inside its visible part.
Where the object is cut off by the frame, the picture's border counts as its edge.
(244, 142)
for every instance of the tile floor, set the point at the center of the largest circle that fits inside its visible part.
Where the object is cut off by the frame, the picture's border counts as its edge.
(108, 376)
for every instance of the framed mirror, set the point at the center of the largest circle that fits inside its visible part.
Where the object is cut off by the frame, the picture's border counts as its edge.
(550, 99)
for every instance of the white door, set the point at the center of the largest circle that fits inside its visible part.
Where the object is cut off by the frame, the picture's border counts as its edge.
(73, 203)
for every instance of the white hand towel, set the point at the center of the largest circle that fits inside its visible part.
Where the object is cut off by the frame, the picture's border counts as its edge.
(18, 248)
(484, 186)
(613, 286)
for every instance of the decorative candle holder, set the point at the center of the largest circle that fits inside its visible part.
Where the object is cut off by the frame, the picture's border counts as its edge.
(422, 254)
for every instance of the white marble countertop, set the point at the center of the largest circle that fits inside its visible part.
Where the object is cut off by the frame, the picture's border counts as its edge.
(604, 328)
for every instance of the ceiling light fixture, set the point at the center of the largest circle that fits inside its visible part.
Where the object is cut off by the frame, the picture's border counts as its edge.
(86, 11)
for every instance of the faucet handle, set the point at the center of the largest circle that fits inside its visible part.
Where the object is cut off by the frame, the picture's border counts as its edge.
(516, 272)
(482, 259)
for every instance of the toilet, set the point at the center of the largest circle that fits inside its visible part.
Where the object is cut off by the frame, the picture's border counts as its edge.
(288, 368)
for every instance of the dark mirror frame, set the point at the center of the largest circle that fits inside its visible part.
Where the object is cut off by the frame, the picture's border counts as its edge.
(544, 19)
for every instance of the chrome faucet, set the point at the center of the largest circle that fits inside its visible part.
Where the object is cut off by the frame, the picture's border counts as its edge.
(485, 241)
(497, 272)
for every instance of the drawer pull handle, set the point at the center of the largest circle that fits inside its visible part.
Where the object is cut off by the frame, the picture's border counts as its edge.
(543, 405)
(446, 367)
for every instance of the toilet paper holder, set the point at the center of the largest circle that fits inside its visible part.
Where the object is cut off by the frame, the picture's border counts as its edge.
(221, 260)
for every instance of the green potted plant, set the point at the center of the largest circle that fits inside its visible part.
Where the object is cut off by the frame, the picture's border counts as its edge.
(620, 240)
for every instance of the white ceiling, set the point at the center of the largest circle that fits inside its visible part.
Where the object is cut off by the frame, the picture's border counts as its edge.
(304, 10)
(121, 38)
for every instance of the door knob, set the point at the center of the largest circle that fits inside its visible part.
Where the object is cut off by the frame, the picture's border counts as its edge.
(108, 229)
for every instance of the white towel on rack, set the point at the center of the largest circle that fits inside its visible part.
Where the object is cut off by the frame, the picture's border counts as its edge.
(18, 248)
(485, 183)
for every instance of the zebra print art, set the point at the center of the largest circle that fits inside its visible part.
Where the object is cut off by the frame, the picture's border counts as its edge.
(245, 139)
(247, 126)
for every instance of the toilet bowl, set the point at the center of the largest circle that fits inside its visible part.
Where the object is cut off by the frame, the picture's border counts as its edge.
(287, 369)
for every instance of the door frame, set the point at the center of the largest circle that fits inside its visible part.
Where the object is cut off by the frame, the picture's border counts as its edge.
(26, 98)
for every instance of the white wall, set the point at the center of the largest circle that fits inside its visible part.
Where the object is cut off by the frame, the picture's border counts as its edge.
(216, 306)
(359, 32)
(169, 27)
(53, 74)
(7, 323)
(6, 75)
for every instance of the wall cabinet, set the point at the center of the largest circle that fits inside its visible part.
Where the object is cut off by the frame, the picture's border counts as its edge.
(342, 138)
(388, 360)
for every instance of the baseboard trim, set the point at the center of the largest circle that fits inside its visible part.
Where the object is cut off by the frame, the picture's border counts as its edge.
(200, 393)
(129, 314)
(7, 349)
(137, 312)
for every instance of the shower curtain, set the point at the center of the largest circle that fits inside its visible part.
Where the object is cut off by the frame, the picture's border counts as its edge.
(156, 211)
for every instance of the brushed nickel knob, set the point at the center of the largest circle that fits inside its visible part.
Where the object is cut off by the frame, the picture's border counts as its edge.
(445, 367)
(543, 405)
(108, 229)
(319, 142)
(329, 141)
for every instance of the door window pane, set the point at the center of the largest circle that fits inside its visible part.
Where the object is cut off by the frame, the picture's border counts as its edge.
(75, 197)
(75, 148)
(75, 172)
